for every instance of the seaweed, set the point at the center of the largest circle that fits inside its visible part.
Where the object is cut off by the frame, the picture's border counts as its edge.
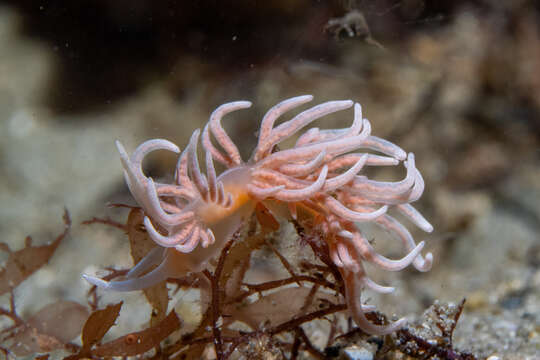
(273, 314)
(39, 332)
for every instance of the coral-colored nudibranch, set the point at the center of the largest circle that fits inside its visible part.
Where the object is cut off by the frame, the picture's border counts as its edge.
(193, 218)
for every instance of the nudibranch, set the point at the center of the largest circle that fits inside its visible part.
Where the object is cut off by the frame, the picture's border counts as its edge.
(194, 217)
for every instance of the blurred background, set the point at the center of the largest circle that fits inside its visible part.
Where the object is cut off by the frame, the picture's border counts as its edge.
(455, 82)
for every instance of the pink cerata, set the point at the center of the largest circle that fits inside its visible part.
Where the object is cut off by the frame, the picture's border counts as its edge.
(198, 213)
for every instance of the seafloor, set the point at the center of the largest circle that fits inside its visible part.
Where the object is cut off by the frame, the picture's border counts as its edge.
(457, 83)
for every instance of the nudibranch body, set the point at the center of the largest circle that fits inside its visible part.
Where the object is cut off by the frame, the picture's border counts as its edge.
(193, 218)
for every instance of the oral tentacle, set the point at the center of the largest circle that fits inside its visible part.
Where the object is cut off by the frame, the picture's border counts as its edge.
(154, 257)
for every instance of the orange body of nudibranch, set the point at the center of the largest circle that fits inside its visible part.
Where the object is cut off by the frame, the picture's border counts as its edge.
(317, 180)
(234, 183)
